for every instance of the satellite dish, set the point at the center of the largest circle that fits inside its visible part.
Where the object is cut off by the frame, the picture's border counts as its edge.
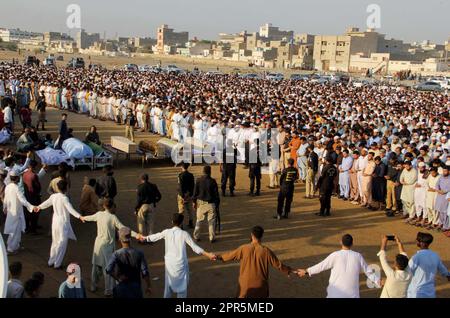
(3, 269)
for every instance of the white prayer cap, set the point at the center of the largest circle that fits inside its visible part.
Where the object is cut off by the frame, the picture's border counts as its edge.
(14, 173)
(421, 164)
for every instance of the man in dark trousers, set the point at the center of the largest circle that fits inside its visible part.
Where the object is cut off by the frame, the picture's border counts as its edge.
(106, 186)
(127, 266)
(228, 168)
(206, 200)
(147, 196)
(63, 131)
(326, 186)
(32, 190)
(40, 107)
(186, 183)
(286, 194)
(254, 172)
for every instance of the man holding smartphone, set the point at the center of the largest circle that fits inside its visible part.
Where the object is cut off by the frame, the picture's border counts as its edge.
(398, 277)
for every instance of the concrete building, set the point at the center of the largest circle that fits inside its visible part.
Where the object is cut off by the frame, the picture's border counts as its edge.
(428, 67)
(56, 37)
(198, 48)
(272, 33)
(376, 63)
(86, 40)
(167, 37)
(386, 63)
(18, 35)
(303, 58)
(333, 52)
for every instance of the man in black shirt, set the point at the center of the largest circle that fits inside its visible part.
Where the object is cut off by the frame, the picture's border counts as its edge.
(206, 200)
(254, 172)
(106, 186)
(127, 266)
(228, 168)
(63, 131)
(326, 186)
(40, 107)
(147, 197)
(186, 183)
(286, 194)
(130, 121)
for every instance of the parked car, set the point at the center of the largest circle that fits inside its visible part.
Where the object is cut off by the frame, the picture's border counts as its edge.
(31, 60)
(50, 61)
(144, 68)
(214, 73)
(299, 77)
(76, 62)
(131, 67)
(275, 76)
(173, 69)
(444, 82)
(156, 69)
(60, 58)
(361, 83)
(339, 78)
(429, 86)
(250, 76)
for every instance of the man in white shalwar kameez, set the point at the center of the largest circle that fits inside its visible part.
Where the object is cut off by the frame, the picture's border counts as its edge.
(344, 174)
(345, 265)
(362, 164)
(420, 192)
(408, 179)
(176, 119)
(61, 228)
(176, 261)
(13, 204)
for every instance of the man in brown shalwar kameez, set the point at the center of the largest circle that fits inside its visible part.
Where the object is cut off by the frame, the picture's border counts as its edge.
(255, 260)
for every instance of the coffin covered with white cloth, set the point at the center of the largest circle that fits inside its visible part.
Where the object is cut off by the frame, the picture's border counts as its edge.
(76, 149)
(53, 157)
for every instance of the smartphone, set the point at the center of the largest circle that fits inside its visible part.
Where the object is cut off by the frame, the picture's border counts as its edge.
(391, 237)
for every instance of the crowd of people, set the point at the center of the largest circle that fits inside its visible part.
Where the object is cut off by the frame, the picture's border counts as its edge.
(380, 147)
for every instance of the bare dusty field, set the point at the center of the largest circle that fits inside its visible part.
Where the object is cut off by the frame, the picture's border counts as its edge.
(300, 241)
(118, 62)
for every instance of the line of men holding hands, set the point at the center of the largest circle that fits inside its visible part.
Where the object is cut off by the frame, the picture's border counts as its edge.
(412, 279)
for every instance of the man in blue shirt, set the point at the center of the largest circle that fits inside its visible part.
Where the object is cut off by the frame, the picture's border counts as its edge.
(424, 265)
(126, 266)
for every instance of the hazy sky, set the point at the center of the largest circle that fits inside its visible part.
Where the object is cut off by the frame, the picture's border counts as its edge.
(409, 20)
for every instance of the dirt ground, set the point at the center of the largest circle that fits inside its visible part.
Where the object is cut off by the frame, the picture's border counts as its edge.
(301, 241)
(186, 63)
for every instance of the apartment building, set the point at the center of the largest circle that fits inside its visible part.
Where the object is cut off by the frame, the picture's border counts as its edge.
(333, 52)
(168, 37)
(85, 40)
(273, 33)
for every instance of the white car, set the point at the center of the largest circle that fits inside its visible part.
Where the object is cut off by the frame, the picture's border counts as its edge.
(174, 69)
(441, 81)
(250, 75)
(144, 68)
(214, 73)
(360, 83)
(275, 76)
(429, 86)
(50, 61)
